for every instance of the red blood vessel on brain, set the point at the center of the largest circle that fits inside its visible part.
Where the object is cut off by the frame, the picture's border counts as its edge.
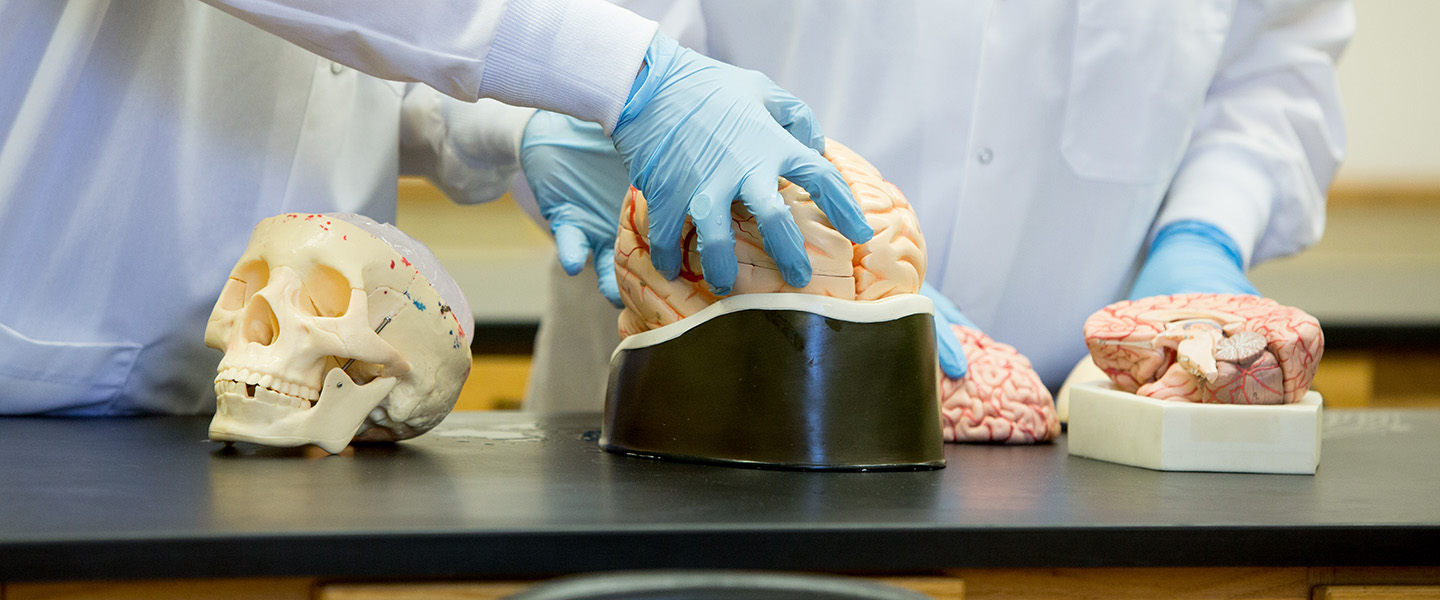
(1001, 399)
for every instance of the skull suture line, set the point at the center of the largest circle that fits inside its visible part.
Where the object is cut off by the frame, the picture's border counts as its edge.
(331, 331)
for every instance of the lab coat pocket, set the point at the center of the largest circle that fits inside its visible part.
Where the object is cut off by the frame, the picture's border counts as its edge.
(71, 378)
(1138, 77)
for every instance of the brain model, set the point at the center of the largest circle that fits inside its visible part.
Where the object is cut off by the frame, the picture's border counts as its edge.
(1212, 348)
(893, 262)
(1000, 400)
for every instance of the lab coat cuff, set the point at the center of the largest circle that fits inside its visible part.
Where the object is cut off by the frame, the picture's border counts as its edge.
(1225, 190)
(484, 141)
(490, 132)
(577, 57)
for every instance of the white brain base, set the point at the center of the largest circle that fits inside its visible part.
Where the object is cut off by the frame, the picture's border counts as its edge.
(334, 328)
(1001, 400)
(1208, 348)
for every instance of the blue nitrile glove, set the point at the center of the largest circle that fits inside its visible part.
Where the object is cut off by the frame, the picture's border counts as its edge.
(947, 346)
(1192, 257)
(579, 184)
(697, 134)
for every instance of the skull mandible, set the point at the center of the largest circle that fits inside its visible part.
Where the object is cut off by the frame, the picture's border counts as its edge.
(336, 327)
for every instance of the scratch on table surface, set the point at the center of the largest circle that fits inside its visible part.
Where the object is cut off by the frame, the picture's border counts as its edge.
(520, 432)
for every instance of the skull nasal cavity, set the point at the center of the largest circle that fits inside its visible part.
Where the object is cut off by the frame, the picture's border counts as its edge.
(260, 325)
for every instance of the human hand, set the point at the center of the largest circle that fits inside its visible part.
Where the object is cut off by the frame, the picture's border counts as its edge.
(697, 134)
(947, 344)
(579, 183)
(1192, 257)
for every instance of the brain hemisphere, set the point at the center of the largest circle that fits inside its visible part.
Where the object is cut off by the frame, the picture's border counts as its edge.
(1001, 398)
(1216, 348)
(891, 263)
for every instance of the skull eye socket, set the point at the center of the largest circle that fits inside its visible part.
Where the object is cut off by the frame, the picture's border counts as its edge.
(247, 279)
(328, 291)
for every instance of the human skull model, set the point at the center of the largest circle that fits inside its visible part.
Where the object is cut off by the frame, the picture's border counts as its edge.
(336, 327)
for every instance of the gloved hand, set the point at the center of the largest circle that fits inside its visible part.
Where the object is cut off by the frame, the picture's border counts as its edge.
(947, 345)
(1192, 257)
(579, 183)
(696, 134)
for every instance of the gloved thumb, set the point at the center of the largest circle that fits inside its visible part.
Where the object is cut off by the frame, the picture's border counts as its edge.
(572, 247)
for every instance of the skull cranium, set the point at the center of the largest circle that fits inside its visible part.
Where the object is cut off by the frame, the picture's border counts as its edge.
(331, 331)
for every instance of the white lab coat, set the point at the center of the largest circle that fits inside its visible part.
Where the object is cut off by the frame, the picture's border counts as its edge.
(141, 141)
(1042, 142)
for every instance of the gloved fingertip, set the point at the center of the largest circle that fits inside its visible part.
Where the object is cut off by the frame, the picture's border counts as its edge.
(851, 219)
(954, 370)
(952, 357)
(797, 275)
(860, 231)
(668, 267)
(829, 190)
(719, 269)
(719, 275)
(572, 265)
(572, 248)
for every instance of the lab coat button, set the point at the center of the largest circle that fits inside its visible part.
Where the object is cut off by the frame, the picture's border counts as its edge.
(336, 67)
(985, 156)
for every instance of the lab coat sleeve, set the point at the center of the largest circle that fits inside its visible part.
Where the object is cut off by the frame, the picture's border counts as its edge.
(577, 57)
(1270, 134)
(470, 150)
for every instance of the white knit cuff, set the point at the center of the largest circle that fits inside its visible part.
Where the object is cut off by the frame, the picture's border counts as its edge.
(577, 57)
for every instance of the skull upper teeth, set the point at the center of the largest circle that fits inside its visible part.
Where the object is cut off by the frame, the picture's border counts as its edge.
(265, 387)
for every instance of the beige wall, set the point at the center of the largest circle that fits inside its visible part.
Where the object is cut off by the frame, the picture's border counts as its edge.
(1390, 78)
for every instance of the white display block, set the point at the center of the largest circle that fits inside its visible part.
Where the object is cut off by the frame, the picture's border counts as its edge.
(1110, 425)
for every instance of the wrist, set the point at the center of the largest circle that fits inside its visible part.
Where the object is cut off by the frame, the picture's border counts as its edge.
(1199, 236)
(658, 57)
(1192, 257)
